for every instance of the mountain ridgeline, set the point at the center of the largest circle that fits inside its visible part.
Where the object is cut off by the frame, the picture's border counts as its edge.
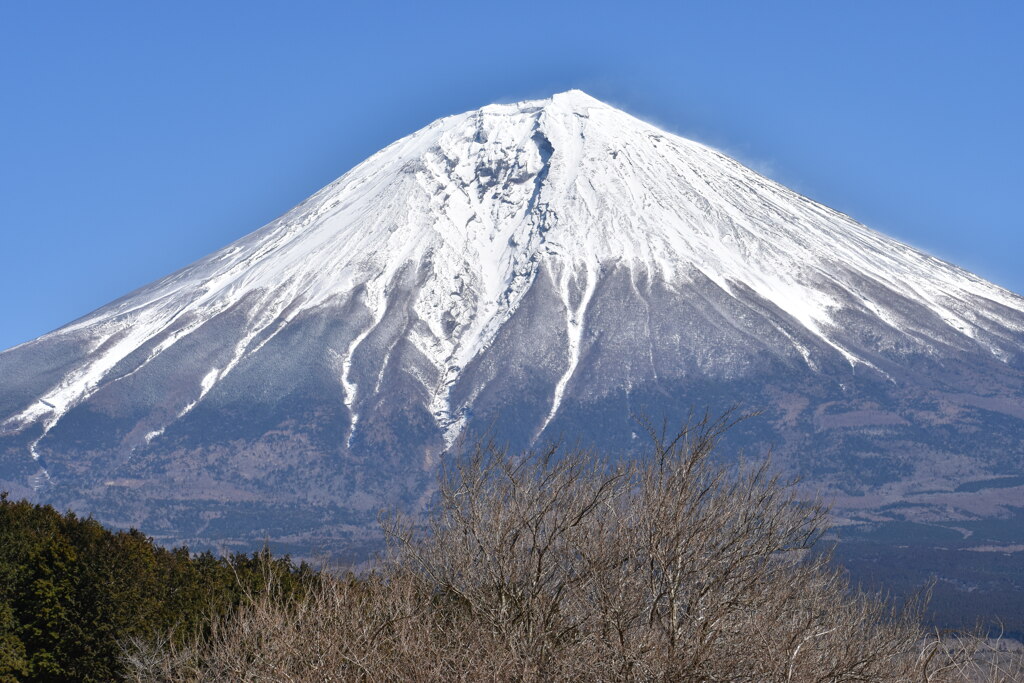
(542, 269)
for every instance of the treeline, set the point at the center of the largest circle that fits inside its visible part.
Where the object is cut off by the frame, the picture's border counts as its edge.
(73, 594)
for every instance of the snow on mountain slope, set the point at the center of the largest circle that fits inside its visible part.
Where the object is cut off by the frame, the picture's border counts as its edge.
(516, 240)
(486, 197)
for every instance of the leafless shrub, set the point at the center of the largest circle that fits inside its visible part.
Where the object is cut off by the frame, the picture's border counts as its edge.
(560, 565)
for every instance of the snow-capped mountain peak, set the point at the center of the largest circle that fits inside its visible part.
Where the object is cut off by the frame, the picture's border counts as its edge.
(483, 199)
(559, 247)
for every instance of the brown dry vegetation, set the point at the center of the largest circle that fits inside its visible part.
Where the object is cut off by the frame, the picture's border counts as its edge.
(560, 566)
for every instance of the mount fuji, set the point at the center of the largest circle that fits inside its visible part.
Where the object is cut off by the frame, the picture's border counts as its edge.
(539, 270)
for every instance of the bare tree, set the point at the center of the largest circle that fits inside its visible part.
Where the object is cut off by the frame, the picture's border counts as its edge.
(561, 565)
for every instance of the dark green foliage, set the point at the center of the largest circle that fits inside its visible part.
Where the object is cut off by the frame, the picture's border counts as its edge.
(72, 592)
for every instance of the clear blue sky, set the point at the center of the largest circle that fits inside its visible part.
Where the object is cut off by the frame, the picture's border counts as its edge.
(136, 137)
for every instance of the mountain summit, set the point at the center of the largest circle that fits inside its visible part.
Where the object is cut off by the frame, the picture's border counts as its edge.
(554, 265)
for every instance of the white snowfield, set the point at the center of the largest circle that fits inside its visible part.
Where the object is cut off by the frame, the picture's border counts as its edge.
(474, 205)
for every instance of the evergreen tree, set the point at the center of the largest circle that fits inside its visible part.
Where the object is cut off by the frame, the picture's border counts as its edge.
(72, 592)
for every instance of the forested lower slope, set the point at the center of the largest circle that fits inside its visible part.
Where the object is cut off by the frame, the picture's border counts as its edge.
(72, 593)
